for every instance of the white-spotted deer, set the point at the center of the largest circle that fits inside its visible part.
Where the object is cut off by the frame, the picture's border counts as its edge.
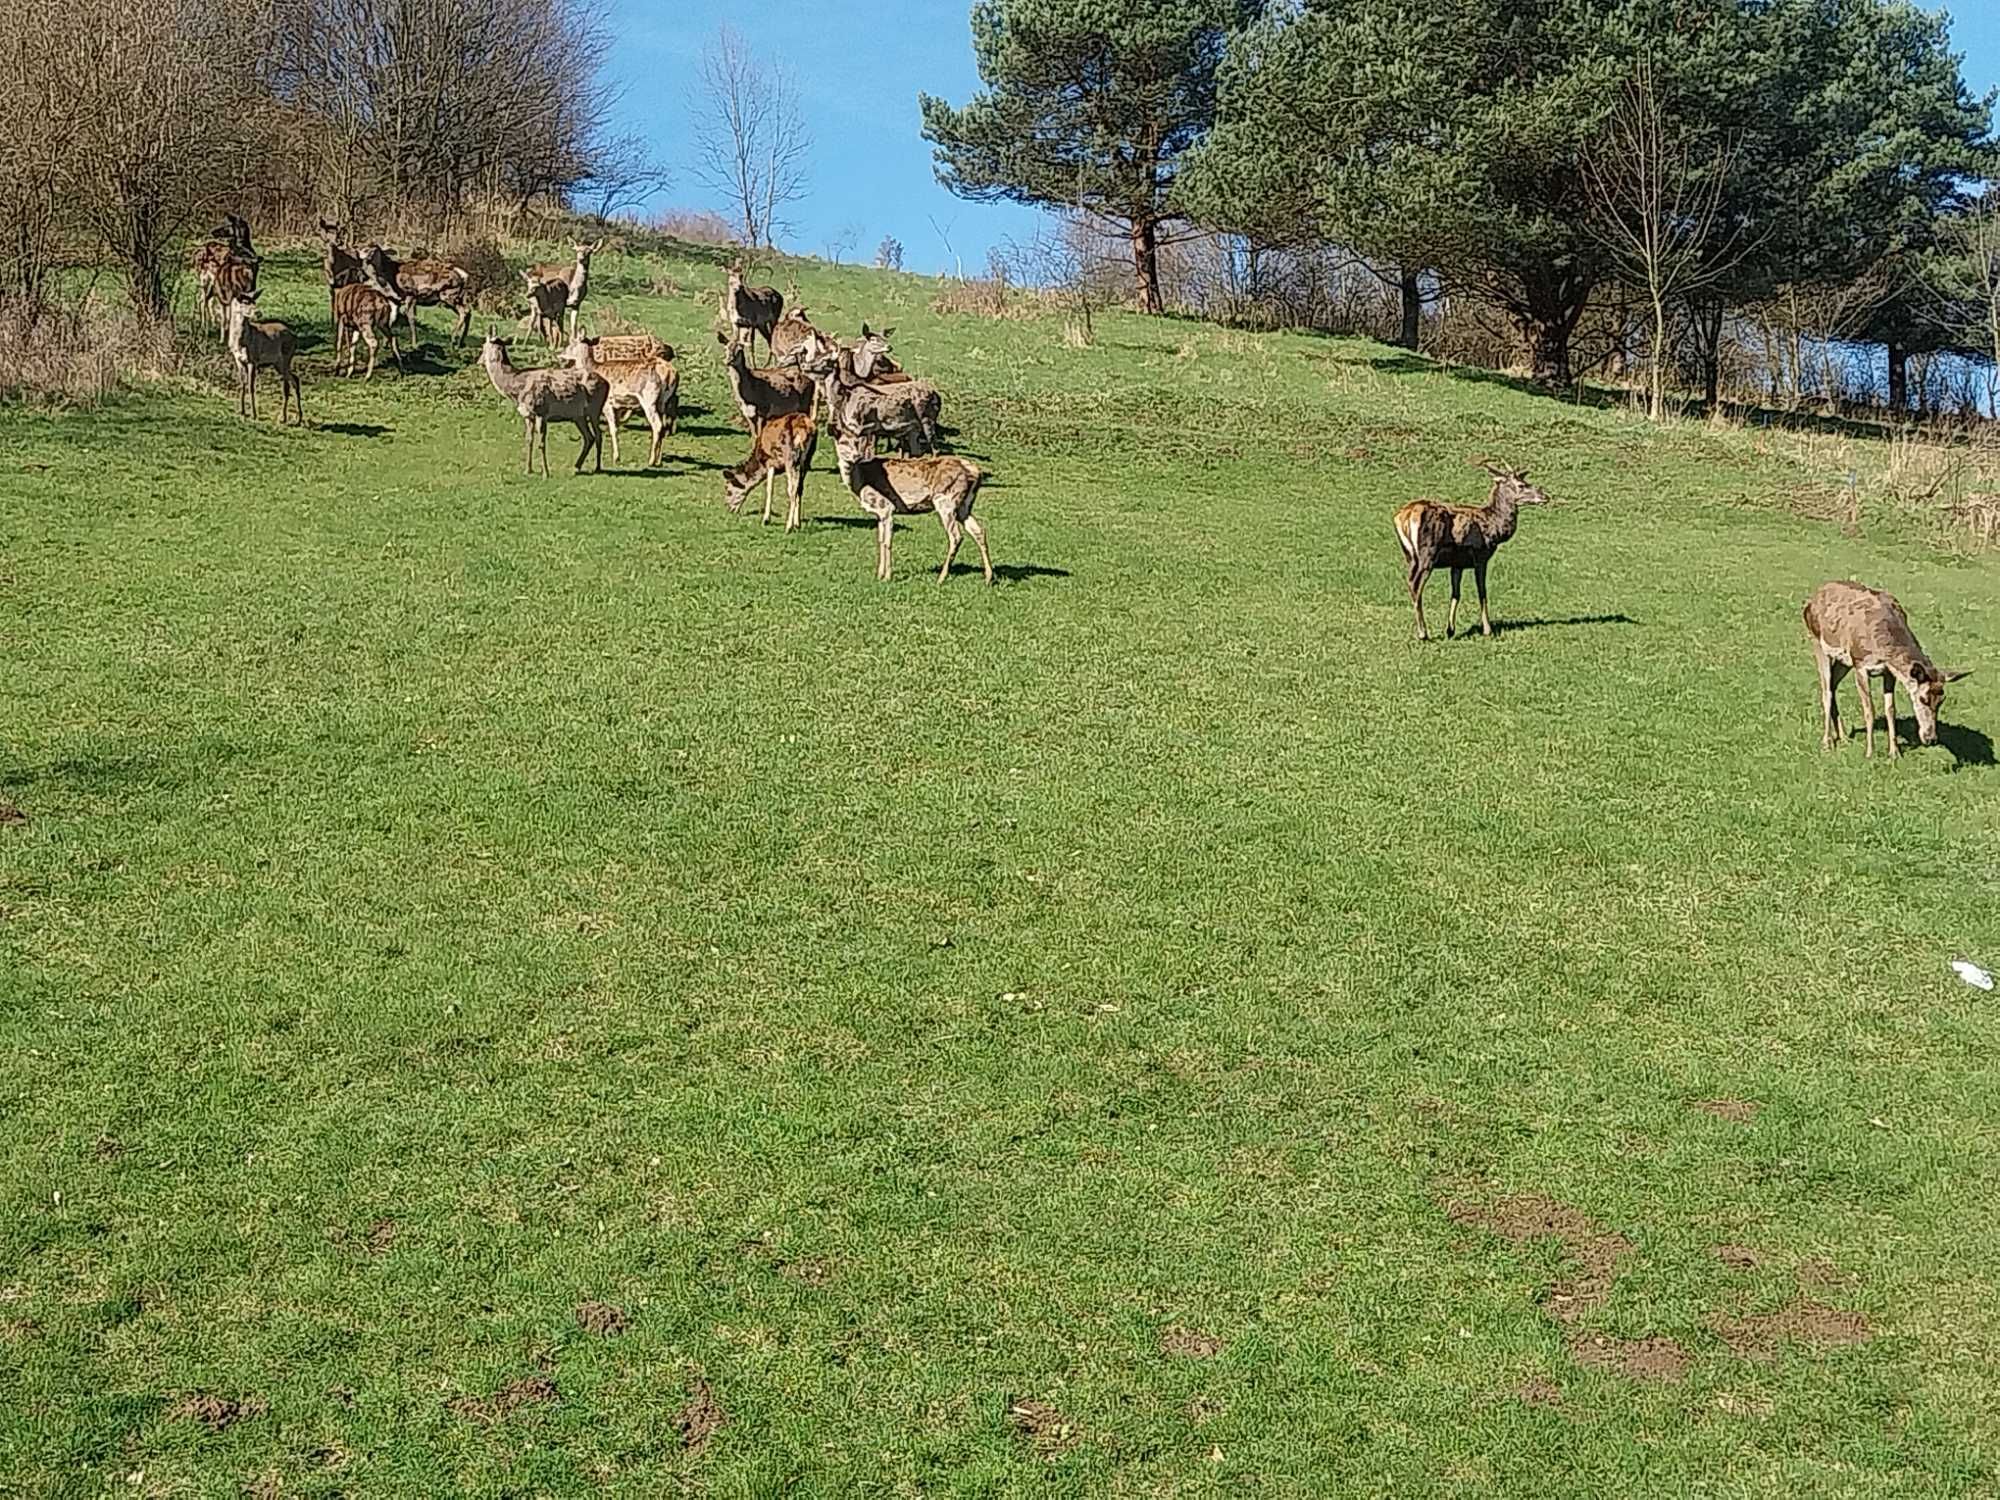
(1864, 631)
(1459, 537)
(639, 370)
(783, 445)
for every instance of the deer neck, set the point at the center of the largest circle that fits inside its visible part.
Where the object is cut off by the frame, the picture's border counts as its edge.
(506, 379)
(1505, 513)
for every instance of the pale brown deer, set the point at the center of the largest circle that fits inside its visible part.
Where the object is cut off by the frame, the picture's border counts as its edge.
(766, 393)
(1461, 537)
(267, 346)
(556, 291)
(358, 310)
(640, 372)
(1864, 631)
(889, 487)
(545, 396)
(783, 445)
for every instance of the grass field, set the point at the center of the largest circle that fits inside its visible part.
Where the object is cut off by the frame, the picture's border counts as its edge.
(1146, 1028)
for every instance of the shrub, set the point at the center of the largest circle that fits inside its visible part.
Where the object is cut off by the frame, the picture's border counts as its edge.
(79, 355)
(493, 282)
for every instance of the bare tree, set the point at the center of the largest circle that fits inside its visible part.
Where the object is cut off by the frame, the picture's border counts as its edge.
(1658, 211)
(840, 244)
(889, 254)
(748, 136)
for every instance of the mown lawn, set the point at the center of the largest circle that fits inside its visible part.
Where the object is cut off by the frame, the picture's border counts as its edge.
(1146, 1028)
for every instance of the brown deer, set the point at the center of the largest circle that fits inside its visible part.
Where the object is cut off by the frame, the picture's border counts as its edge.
(640, 372)
(225, 268)
(751, 310)
(905, 410)
(784, 445)
(1864, 631)
(796, 332)
(1461, 537)
(267, 346)
(544, 396)
(358, 310)
(889, 487)
(766, 393)
(557, 291)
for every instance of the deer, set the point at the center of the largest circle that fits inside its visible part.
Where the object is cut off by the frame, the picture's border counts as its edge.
(796, 332)
(556, 291)
(888, 487)
(1858, 629)
(907, 411)
(358, 310)
(225, 268)
(767, 393)
(1461, 537)
(871, 358)
(751, 310)
(544, 396)
(648, 383)
(784, 445)
(265, 346)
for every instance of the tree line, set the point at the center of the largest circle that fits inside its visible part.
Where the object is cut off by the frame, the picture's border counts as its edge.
(127, 126)
(1691, 160)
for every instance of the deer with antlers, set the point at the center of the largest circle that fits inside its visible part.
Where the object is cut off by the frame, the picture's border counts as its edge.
(1461, 537)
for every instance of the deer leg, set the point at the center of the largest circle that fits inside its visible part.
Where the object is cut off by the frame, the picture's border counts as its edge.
(979, 535)
(1479, 582)
(1889, 711)
(611, 421)
(1830, 673)
(1420, 574)
(885, 527)
(953, 535)
(1451, 615)
(1867, 708)
(795, 493)
(770, 479)
(655, 421)
(394, 352)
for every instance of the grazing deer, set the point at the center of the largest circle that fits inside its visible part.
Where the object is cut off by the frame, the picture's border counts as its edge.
(1858, 629)
(225, 268)
(784, 445)
(888, 487)
(647, 383)
(557, 291)
(1460, 537)
(751, 310)
(266, 346)
(358, 310)
(907, 410)
(545, 396)
(767, 393)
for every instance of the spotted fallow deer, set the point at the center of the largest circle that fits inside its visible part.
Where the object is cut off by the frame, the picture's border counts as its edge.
(1864, 631)
(1459, 537)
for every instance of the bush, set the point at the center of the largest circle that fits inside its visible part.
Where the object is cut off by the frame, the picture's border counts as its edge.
(79, 355)
(493, 284)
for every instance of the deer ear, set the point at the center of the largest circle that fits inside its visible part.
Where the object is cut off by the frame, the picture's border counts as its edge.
(1958, 676)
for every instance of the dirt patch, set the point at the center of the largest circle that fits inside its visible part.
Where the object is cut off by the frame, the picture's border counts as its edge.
(342, 1395)
(1044, 1429)
(107, 1148)
(1538, 1392)
(1635, 1359)
(10, 812)
(264, 1487)
(1818, 1275)
(601, 1318)
(217, 1412)
(1594, 1252)
(810, 1272)
(1738, 1257)
(1735, 1111)
(381, 1235)
(19, 1330)
(1186, 1343)
(1201, 1411)
(701, 1418)
(1758, 1335)
(531, 1390)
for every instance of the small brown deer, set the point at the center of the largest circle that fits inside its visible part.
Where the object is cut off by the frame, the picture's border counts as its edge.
(751, 310)
(267, 346)
(225, 268)
(889, 487)
(1864, 631)
(358, 310)
(640, 372)
(1461, 537)
(784, 445)
(766, 393)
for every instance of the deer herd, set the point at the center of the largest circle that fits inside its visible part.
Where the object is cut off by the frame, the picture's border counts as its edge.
(866, 399)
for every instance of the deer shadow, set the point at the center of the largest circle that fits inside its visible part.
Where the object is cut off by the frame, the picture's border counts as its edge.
(1023, 572)
(1968, 746)
(352, 429)
(1502, 627)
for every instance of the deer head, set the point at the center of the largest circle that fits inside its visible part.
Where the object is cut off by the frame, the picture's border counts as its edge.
(1927, 697)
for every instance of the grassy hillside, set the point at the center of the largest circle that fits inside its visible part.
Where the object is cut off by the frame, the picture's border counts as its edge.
(1149, 1027)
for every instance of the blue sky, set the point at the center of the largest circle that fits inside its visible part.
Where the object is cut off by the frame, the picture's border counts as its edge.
(860, 67)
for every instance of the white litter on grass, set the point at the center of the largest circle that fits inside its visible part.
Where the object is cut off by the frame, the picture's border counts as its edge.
(1972, 974)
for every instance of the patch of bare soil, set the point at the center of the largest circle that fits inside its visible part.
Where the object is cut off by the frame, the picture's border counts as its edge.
(10, 812)
(809, 1271)
(601, 1318)
(1594, 1252)
(1538, 1392)
(19, 1330)
(264, 1487)
(701, 1418)
(217, 1412)
(1202, 1411)
(1738, 1257)
(381, 1235)
(531, 1390)
(1758, 1335)
(1635, 1359)
(1045, 1429)
(107, 1148)
(1735, 1111)
(1186, 1343)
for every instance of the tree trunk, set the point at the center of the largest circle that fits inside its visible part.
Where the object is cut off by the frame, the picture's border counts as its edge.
(1146, 264)
(1657, 403)
(1552, 303)
(1413, 309)
(1899, 379)
(1708, 318)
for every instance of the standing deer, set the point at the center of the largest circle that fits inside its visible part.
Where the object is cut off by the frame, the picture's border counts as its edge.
(545, 396)
(267, 346)
(1460, 537)
(358, 310)
(767, 393)
(796, 332)
(1863, 630)
(640, 374)
(751, 310)
(557, 291)
(906, 410)
(783, 445)
(888, 487)
(225, 268)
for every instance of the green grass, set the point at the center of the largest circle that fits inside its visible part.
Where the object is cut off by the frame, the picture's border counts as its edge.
(447, 897)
